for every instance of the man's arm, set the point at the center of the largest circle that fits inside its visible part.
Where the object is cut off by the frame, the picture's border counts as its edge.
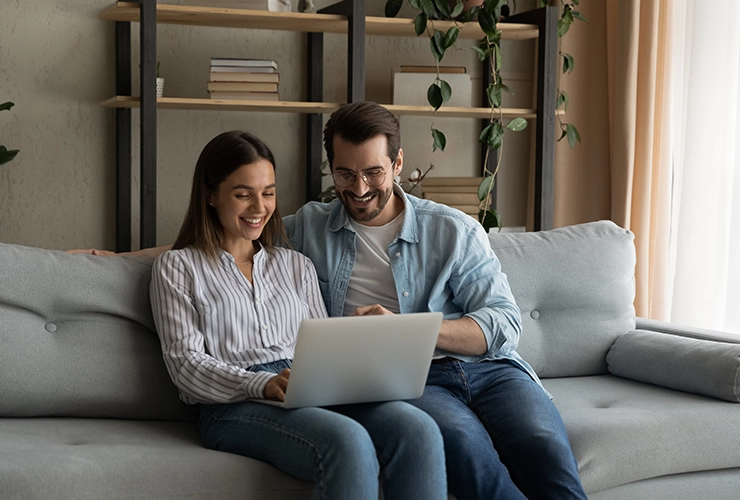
(144, 252)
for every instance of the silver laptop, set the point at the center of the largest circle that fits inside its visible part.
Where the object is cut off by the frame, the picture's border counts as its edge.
(361, 359)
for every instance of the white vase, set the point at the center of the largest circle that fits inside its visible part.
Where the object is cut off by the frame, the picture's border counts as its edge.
(160, 87)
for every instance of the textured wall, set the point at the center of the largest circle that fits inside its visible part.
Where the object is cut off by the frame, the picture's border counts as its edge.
(56, 64)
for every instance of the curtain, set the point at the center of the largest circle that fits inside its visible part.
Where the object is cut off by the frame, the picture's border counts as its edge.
(705, 213)
(637, 34)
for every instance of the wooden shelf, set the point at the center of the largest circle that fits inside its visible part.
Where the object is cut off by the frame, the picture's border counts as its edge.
(299, 21)
(308, 107)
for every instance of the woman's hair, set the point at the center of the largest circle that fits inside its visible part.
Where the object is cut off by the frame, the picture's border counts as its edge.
(223, 155)
(359, 122)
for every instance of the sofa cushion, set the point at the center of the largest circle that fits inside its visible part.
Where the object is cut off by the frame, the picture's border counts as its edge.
(78, 338)
(575, 288)
(691, 365)
(70, 458)
(623, 431)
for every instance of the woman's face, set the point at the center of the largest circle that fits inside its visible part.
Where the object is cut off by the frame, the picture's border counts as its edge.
(245, 201)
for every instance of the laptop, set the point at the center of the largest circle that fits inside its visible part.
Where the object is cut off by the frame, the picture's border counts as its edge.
(361, 359)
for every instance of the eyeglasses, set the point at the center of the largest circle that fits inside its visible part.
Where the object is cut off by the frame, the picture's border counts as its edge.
(373, 177)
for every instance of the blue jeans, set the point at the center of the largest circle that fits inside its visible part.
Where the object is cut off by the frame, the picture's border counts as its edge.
(504, 438)
(343, 449)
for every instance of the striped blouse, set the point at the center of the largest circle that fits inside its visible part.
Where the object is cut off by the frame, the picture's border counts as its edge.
(214, 324)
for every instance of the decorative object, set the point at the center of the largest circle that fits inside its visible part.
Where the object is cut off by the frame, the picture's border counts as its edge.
(160, 83)
(488, 15)
(6, 154)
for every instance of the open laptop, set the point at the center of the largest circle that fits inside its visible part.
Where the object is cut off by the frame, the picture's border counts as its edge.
(361, 359)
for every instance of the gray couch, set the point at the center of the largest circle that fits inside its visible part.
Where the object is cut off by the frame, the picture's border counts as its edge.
(88, 411)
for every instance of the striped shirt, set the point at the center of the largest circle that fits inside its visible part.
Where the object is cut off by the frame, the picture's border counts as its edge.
(214, 325)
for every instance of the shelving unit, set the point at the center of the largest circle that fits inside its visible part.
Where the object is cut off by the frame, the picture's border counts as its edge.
(347, 17)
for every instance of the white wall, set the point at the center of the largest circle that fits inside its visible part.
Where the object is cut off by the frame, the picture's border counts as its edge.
(56, 64)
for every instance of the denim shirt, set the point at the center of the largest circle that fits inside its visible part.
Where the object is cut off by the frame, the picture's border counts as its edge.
(441, 260)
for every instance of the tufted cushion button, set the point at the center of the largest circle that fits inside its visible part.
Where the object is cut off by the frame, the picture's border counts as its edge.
(50, 327)
(534, 314)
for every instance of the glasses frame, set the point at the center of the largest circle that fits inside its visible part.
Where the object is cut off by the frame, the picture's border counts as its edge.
(363, 176)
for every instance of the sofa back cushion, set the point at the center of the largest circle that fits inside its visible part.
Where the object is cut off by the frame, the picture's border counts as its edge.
(77, 338)
(575, 288)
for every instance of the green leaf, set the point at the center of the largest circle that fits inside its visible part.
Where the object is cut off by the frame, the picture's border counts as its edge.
(493, 135)
(7, 155)
(443, 8)
(486, 134)
(439, 140)
(489, 219)
(420, 23)
(436, 52)
(562, 100)
(451, 36)
(445, 90)
(428, 7)
(415, 4)
(563, 133)
(497, 57)
(484, 189)
(517, 124)
(439, 41)
(573, 134)
(457, 10)
(482, 54)
(575, 2)
(392, 7)
(568, 63)
(434, 96)
(494, 96)
(579, 16)
(6, 105)
(469, 15)
(487, 23)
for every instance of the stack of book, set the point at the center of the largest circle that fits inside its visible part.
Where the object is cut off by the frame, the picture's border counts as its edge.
(456, 192)
(250, 79)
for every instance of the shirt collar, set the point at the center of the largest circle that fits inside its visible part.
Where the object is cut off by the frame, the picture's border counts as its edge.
(339, 218)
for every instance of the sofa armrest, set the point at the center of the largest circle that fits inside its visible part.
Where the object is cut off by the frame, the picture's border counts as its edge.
(686, 331)
(706, 366)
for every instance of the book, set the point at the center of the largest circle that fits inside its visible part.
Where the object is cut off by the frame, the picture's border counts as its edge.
(452, 181)
(251, 86)
(242, 69)
(217, 76)
(247, 96)
(453, 198)
(271, 5)
(433, 69)
(245, 63)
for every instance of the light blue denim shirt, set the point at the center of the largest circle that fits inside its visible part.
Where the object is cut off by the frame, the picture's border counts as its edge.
(441, 261)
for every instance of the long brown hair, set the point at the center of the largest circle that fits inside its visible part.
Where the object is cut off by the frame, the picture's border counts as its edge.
(223, 155)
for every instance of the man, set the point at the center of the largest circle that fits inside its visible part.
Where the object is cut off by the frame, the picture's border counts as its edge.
(378, 250)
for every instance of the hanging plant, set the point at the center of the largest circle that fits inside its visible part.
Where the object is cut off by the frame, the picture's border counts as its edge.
(488, 15)
(6, 154)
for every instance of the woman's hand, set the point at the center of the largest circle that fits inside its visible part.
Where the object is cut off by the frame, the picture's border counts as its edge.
(372, 310)
(92, 251)
(276, 387)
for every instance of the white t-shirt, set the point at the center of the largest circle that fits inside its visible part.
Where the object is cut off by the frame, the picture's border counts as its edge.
(372, 279)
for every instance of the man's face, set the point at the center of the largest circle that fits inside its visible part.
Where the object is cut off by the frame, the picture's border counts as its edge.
(366, 202)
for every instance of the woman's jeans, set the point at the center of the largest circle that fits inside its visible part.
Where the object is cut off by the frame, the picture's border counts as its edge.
(343, 449)
(504, 438)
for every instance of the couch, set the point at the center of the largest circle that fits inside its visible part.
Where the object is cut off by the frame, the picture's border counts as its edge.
(87, 409)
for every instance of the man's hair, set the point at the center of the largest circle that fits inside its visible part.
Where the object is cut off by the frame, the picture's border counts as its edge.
(359, 122)
(223, 155)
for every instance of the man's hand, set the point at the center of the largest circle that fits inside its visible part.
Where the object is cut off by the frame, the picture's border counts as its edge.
(92, 251)
(373, 310)
(276, 387)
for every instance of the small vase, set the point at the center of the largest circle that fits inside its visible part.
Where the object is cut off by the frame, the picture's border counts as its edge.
(160, 87)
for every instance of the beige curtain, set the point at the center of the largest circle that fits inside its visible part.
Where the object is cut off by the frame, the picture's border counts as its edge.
(621, 171)
(639, 121)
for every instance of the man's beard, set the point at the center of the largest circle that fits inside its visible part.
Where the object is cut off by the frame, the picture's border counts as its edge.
(366, 214)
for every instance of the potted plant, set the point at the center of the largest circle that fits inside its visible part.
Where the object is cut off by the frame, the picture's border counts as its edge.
(5, 154)
(487, 14)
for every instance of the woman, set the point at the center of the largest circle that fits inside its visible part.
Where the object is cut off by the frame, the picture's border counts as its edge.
(227, 304)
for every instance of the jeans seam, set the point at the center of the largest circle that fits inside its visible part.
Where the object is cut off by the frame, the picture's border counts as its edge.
(282, 429)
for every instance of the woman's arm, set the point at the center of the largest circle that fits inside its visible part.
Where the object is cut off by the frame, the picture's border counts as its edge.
(200, 377)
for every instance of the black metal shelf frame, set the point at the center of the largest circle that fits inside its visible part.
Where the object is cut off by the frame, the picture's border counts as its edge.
(545, 18)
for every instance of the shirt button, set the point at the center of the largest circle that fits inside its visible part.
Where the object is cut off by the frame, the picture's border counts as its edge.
(405, 294)
(398, 254)
(259, 300)
(264, 327)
